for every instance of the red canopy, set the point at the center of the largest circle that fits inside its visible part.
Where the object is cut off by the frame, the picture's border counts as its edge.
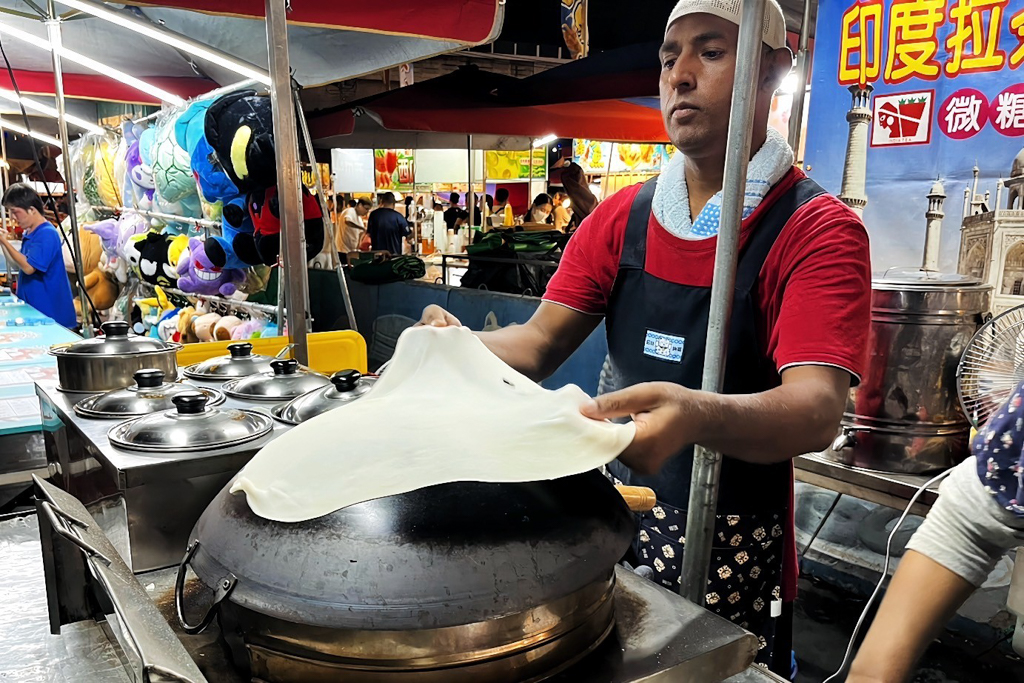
(463, 21)
(96, 87)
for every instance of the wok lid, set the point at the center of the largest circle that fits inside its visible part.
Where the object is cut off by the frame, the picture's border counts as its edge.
(191, 426)
(441, 556)
(346, 386)
(240, 362)
(286, 381)
(114, 342)
(149, 394)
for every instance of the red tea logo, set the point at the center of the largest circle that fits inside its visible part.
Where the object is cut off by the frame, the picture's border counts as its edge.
(902, 119)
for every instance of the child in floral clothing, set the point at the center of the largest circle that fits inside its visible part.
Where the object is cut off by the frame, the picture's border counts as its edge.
(978, 517)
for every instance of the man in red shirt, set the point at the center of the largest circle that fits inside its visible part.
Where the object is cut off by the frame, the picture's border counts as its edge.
(797, 334)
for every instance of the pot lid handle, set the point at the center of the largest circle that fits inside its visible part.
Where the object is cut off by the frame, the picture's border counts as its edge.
(240, 349)
(115, 328)
(191, 403)
(149, 378)
(285, 366)
(346, 380)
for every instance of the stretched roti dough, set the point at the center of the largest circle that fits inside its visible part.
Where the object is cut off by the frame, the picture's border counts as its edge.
(446, 410)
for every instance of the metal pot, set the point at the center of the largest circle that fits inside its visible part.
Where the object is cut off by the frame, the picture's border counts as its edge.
(191, 426)
(149, 394)
(240, 362)
(905, 415)
(286, 381)
(111, 361)
(465, 581)
(346, 386)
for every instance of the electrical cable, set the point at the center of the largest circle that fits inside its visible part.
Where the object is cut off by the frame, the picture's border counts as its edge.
(79, 277)
(885, 574)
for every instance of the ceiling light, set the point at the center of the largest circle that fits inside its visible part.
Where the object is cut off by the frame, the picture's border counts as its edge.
(168, 37)
(48, 139)
(47, 110)
(545, 140)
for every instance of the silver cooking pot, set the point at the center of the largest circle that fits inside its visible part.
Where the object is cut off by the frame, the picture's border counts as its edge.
(111, 361)
(286, 380)
(150, 394)
(240, 362)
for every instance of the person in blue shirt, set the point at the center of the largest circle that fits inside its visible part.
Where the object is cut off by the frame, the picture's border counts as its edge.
(386, 227)
(43, 283)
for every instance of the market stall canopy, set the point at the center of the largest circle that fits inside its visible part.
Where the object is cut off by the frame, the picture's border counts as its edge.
(470, 101)
(323, 49)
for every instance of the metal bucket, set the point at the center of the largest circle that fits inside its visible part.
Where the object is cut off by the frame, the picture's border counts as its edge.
(905, 415)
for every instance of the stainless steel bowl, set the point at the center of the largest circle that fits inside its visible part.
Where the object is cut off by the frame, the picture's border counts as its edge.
(287, 381)
(111, 361)
(346, 386)
(150, 394)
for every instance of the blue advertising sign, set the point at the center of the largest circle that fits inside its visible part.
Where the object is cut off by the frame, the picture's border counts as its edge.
(947, 94)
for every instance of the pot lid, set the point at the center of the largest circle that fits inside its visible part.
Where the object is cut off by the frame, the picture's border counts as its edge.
(191, 426)
(919, 278)
(115, 342)
(400, 562)
(346, 386)
(240, 362)
(286, 381)
(149, 394)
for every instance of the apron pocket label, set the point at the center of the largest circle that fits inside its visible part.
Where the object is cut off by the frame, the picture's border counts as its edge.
(664, 346)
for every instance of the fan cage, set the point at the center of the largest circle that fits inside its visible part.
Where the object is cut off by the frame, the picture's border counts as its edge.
(992, 366)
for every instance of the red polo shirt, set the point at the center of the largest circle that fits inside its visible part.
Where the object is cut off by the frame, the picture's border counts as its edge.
(814, 290)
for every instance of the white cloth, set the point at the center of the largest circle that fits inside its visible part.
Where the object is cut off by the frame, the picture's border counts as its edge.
(671, 205)
(348, 234)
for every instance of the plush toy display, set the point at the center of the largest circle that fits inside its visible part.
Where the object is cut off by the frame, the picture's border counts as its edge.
(240, 129)
(147, 313)
(172, 171)
(101, 289)
(128, 226)
(139, 171)
(235, 247)
(197, 275)
(154, 256)
(263, 208)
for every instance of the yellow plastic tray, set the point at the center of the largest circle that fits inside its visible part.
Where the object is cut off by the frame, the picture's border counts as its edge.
(329, 352)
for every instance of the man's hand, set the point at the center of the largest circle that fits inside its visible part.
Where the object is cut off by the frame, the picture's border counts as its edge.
(435, 316)
(664, 417)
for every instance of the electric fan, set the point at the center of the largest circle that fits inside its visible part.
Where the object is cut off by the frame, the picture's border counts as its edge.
(992, 366)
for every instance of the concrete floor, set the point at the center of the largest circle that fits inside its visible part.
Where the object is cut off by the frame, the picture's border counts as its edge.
(825, 617)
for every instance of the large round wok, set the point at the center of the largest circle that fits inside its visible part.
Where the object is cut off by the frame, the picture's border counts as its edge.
(457, 582)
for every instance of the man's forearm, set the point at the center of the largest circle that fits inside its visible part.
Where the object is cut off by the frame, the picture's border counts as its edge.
(771, 426)
(521, 347)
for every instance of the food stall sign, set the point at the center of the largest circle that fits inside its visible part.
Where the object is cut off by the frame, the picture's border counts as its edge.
(946, 92)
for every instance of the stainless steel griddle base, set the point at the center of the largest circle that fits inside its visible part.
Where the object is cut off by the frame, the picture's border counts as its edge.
(658, 636)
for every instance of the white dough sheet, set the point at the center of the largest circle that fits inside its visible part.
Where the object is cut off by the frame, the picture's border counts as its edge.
(445, 410)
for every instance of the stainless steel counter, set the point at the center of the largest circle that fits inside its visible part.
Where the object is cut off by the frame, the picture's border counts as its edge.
(146, 503)
(882, 488)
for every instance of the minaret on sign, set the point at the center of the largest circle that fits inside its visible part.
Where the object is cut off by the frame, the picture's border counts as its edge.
(853, 193)
(933, 234)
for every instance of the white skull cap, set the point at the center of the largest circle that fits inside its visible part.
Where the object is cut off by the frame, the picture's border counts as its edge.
(774, 30)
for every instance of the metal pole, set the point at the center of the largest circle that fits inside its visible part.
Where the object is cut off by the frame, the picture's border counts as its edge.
(796, 114)
(700, 520)
(469, 196)
(339, 268)
(4, 184)
(53, 31)
(289, 184)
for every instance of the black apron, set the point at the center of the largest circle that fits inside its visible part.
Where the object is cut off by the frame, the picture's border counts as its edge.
(657, 332)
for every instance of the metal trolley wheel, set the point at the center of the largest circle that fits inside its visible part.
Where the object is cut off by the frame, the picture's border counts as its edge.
(992, 366)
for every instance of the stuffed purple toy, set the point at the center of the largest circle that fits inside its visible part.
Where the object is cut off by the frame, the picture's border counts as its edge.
(197, 275)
